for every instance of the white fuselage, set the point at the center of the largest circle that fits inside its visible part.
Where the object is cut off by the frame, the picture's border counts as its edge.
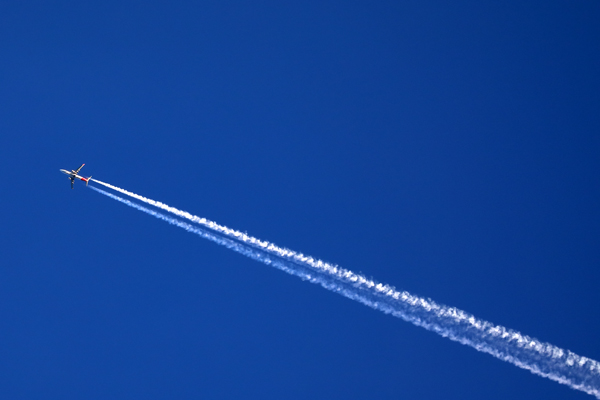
(73, 175)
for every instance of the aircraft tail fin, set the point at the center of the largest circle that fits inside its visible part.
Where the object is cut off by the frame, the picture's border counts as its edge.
(88, 180)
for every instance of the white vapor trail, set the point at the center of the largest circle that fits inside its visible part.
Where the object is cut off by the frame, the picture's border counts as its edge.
(540, 358)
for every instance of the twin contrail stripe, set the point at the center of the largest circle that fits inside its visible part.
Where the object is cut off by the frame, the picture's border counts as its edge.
(506, 344)
(261, 244)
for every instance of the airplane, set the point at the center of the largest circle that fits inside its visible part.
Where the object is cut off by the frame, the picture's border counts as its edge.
(73, 174)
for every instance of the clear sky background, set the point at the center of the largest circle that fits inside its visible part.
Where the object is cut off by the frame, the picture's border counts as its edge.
(450, 149)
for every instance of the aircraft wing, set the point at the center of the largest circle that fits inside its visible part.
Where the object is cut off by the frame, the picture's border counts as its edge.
(77, 171)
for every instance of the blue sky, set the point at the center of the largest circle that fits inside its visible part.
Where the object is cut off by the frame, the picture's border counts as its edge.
(450, 150)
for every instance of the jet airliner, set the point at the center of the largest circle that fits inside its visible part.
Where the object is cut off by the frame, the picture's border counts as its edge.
(73, 175)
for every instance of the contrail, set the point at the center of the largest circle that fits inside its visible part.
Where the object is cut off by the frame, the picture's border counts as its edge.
(261, 244)
(540, 358)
